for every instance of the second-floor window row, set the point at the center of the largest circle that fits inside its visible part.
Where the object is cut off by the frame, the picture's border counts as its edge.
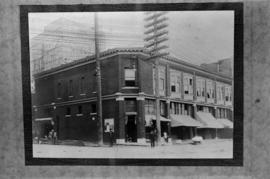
(70, 86)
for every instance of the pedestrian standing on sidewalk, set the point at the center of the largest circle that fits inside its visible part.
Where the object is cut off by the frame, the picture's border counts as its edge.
(165, 136)
(54, 137)
(111, 137)
(152, 135)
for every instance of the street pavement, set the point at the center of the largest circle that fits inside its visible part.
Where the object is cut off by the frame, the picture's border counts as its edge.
(215, 148)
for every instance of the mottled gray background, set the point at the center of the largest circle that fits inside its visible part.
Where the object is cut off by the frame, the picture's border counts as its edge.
(256, 106)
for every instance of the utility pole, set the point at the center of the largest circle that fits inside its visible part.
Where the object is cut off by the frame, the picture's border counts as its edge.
(156, 34)
(98, 78)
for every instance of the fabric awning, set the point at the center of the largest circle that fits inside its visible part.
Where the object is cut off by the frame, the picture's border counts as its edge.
(208, 120)
(148, 118)
(226, 122)
(184, 120)
(44, 119)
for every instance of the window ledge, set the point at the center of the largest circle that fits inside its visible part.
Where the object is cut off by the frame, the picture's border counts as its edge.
(67, 115)
(83, 94)
(93, 113)
(70, 96)
(58, 98)
(79, 114)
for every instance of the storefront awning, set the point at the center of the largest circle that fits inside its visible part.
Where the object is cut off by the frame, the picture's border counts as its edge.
(43, 119)
(148, 118)
(208, 120)
(184, 120)
(226, 122)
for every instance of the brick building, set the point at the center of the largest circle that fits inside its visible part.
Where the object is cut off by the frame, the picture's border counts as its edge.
(192, 99)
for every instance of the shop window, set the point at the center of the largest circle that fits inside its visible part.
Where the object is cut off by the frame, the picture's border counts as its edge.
(171, 108)
(149, 107)
(177, 108)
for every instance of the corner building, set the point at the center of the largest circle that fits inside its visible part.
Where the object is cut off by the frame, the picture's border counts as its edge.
(193, 100)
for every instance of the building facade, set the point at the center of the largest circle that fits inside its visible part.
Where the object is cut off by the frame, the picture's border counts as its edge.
(192, 100)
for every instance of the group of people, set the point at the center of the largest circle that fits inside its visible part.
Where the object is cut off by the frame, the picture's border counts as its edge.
(153, 135)
(52, 136)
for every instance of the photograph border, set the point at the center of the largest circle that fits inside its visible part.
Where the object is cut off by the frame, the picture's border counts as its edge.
(237, 7)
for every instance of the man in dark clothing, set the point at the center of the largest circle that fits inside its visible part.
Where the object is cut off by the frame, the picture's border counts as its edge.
(152, 135)
(111, 137)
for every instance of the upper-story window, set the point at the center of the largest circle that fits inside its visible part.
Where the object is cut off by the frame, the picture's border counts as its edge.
(70, 88)
(68, 111)
(82, 85)
(130, 76)
(93, 108)
(175, 79)
(154, 80)
(130, 72)
(80, 109)
(228, 93)
(162, 80)
(200, 87)
(59, 89)
(188, 84)
(210, 89)
(220, 92)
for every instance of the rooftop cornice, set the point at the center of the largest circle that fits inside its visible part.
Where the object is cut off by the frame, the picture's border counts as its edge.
(140, 50)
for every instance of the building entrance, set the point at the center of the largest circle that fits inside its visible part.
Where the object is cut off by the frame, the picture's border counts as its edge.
(131, 129)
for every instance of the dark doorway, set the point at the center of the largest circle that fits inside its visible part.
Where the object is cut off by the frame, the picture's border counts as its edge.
(131, 129)
(164, 127)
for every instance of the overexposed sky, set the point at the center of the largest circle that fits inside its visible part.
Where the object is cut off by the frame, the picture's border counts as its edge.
(194, 36)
